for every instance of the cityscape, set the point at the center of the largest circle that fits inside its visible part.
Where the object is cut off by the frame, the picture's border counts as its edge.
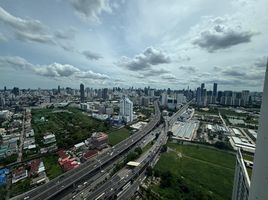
(114, 100)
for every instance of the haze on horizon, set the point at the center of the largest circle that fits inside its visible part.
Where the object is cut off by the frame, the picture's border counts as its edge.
(106, 43)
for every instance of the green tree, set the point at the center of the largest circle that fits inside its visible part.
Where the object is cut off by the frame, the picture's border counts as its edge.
(166, 179)
(149, 171)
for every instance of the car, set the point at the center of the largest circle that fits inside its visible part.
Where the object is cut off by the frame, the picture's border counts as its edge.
(27, 197)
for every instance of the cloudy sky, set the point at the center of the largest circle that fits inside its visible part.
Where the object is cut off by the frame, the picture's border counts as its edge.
(106, 43)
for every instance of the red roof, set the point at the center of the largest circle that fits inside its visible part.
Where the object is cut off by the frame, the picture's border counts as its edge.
(18, 172)
(69, 165)
(90, 154)
(62, 154)
(34, 166)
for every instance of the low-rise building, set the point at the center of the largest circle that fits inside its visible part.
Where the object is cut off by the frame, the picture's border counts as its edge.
(36, 166)
(19, 174)
(3, 176)
(48, 139)
(89, 154)
(98, 140)
(66, 161)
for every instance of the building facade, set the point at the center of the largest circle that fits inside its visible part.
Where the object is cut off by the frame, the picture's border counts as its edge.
(126, 109)
(241, 179)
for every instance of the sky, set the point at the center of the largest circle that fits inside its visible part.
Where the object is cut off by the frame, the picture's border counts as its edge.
(123, 43)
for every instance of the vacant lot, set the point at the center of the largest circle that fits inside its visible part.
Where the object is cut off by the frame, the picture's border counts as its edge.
(70, 125)
(118, 135)
(210, 170)
(53, 169)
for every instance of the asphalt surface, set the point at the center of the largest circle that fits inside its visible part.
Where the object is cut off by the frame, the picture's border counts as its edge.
(123, 184)
(125, 178)
(63, 182)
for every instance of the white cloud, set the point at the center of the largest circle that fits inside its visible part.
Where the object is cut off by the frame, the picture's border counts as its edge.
(145, 60)
(90, 10)
(54, 70)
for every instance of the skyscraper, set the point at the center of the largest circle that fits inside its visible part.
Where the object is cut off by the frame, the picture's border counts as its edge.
(241, 179)
(58, 89)
(202, 88)
(214, 93)
(259, 179)
(82, 93)
(105, 93)
(126, 109)
(198, 96)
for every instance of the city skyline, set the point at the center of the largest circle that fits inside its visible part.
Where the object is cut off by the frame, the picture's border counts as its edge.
(172, 46)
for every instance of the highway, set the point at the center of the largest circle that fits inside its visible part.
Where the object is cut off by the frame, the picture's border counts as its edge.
(92, 167)
(116, 186)
(124, 180)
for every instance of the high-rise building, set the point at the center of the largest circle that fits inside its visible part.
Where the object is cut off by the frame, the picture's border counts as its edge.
(58, 89)
(202, 88)
(164, 99)
(241, 179)
(126, 109)
(82, 93)
(214, 93)
(105, 93)
(198, 96)
(245, 97)
(259, 178)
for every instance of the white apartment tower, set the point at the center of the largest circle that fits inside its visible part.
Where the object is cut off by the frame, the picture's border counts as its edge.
(259, 179)
(126, 109)
(257, 187)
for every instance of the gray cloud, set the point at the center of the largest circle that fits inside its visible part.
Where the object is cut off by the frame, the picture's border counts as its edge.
(34, 31)
(53, 70)
(91, 55)
(26, 30)
(14, 62)
(155, 72)
(3, 38)
(65, 35)
(188, 69)
(222, 37)
(145, 60)
(91, 9)
(261, 62)
(168, 77)
(233, 73)
(212, 42)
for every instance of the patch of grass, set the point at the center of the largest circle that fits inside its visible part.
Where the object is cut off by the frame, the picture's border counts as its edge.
(20, 187)
(147, 147)
(209, 169)
(218, 157)
(2, 192)
(70, 125)
(248, 157)
(53, 169)
(118, 135)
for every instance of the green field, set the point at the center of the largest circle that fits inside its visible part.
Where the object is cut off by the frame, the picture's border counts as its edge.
(20, 187)
(118, 135)
(53, 169)
(208, 170)
(2, 192)
(70, 125)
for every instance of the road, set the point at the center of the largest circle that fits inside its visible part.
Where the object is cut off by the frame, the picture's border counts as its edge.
(116, 186)
(70, 178)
